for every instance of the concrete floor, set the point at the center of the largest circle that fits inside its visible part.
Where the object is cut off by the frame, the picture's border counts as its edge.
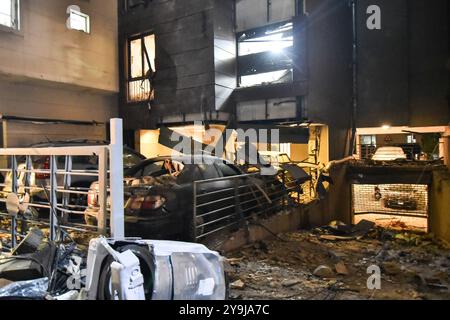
(283, 269)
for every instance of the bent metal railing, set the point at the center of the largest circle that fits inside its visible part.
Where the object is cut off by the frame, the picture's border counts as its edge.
(229, 203)
(56, 189)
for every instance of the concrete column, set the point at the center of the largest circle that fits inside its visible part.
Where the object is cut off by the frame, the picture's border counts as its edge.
(116, 180)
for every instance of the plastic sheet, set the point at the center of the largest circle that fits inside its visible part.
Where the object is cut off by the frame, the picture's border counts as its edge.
(34, 289)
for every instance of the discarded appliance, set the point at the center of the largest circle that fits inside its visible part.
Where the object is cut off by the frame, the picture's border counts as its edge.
(164, 270)
(129, 269)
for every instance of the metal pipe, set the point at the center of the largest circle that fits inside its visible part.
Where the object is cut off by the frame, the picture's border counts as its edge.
(53, 199)
(41, 120)
(116, 180)
(14, 187)
(355, 78)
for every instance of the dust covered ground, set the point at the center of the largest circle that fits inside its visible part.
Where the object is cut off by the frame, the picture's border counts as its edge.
(413, 267)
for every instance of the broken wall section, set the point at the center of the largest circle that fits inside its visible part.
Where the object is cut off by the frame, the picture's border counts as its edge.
(440, 206)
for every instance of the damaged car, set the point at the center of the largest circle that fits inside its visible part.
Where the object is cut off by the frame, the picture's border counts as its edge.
(401, 197)
(159, 196)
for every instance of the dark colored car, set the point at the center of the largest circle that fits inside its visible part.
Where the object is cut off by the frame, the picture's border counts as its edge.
(400, 197)
(159, 195)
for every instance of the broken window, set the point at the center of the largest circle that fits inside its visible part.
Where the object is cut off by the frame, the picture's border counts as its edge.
(142, 68)
(369, 140)
(9, 14)
(367, 146)
(265, 55)
(411, 139)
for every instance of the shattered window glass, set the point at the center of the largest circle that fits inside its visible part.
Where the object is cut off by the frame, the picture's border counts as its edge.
(142, 67)
(265, 55)
(270, 40)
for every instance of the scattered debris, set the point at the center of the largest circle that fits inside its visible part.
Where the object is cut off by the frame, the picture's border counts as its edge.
(337, 230)
(341, 269)
(31, 243)
(324, 272)
(283, 271)
(28, 266)
(391, 268)
(399, 224)
(290, 283)
(34, 289)
(238, 285)
(234, 261)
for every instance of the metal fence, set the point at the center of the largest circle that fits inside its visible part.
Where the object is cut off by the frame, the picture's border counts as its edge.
(44, 181)
(225, 204)
(407, 200)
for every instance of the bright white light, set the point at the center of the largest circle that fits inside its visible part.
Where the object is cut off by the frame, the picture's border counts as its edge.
(386, 127)
(277, 48)
(5, 13)
(274, 43)
(280, 76)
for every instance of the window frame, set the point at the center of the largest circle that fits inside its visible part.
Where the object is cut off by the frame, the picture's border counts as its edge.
(250, 61)
(373, 140)
(129, 78)
(142, 37)
(87, 21)
(15, 18)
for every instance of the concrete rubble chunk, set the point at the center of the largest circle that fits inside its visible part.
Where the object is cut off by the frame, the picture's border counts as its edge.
(290, 283)
(337, 255)
(238, 285)
(391, 268)
(323, 272)
(341, 269)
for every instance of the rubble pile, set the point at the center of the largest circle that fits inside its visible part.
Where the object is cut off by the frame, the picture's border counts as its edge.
(320, 265)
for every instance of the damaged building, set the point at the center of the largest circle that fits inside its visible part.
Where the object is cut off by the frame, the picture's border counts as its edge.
(57, 81)
(241, 123)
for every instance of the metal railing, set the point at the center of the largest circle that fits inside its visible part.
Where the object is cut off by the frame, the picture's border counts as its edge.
(225, 204)
(51, 191)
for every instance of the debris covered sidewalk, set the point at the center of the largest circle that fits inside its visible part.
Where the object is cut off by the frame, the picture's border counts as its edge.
(317, 266)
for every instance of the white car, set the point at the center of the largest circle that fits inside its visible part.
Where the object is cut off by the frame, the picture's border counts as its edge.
(389, 154)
